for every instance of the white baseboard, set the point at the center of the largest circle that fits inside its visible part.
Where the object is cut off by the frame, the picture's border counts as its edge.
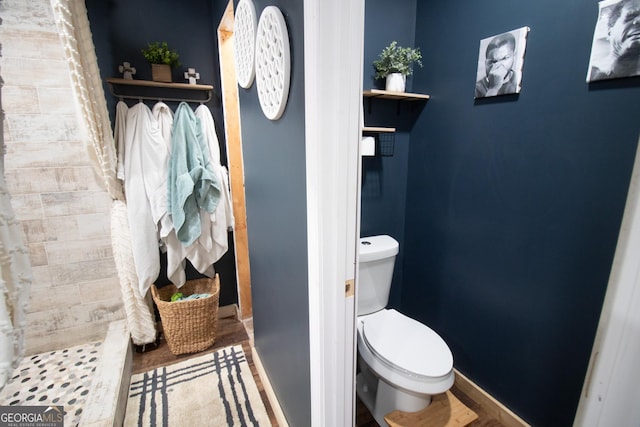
(273, 400)
(488, 403)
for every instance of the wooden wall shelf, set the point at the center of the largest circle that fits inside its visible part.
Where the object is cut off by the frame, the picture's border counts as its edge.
(377, 129)
(395, 96)
(145, 89)
(399, 96)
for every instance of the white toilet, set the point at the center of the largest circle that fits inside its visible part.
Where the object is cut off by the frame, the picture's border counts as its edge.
(402, 361)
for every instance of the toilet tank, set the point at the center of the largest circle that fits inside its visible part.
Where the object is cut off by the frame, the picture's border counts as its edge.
(377, 256)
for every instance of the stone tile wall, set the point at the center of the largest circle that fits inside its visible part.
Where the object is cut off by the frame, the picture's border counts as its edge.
(56, 194)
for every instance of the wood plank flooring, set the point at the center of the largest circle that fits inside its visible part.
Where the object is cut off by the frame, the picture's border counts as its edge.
(231, 331)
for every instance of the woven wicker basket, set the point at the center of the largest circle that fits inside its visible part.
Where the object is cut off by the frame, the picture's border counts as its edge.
(189, 326)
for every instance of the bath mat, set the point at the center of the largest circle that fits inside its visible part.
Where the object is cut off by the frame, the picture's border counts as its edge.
(216, 389)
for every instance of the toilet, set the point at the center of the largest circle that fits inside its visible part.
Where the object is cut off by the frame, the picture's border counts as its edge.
(402, 362)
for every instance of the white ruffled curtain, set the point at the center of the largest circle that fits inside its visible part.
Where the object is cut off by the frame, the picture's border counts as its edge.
(75, 34)
(15, 276)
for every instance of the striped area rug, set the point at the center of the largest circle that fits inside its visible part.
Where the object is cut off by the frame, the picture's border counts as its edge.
(216, 389)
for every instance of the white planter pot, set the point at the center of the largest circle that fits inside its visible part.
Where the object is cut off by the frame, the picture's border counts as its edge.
(396, 82)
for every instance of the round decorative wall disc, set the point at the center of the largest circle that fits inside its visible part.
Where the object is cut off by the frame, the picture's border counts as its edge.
(273, 62)
(244, 37)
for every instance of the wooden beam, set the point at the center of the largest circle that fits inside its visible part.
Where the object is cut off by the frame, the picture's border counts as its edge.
(233, 133)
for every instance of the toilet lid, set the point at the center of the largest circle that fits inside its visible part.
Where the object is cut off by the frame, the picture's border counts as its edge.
(407, 344)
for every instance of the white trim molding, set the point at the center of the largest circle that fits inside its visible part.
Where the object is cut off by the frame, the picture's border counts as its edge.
(268, 389)
(333, 46)
(610, 392)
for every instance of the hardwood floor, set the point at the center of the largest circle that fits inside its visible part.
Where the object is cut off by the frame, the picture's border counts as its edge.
(231, 331)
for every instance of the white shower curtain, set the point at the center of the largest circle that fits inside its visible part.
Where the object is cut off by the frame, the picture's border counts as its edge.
(15, 276)
(75, 34)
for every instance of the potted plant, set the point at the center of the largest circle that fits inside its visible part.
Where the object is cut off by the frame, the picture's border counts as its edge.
(395, 63)
(162, 59)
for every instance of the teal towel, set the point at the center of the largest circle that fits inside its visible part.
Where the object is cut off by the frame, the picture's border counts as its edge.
(180, 297)
(192, 184)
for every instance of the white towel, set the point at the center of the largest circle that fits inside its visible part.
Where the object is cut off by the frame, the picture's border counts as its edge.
(145, 170)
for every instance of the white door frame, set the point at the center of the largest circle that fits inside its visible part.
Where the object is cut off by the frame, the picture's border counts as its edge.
(333, 49)
(610, 393)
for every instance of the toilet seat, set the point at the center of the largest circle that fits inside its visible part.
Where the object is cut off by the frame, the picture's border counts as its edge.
(406, 345)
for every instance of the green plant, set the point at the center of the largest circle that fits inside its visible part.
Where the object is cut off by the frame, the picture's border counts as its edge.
(397, 59)
(159, 53)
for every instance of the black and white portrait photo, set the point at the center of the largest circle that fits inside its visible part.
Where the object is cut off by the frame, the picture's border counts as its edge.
(615, 51)
(500, 62)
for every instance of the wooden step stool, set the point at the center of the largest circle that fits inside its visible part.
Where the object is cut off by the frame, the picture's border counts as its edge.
(445, 410)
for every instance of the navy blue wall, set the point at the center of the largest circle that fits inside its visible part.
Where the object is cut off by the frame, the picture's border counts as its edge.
(384, 178)
(121, 28)
(514, 204)
(274, 160)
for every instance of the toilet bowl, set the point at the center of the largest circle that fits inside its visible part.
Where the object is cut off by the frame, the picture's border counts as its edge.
(402, 362)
